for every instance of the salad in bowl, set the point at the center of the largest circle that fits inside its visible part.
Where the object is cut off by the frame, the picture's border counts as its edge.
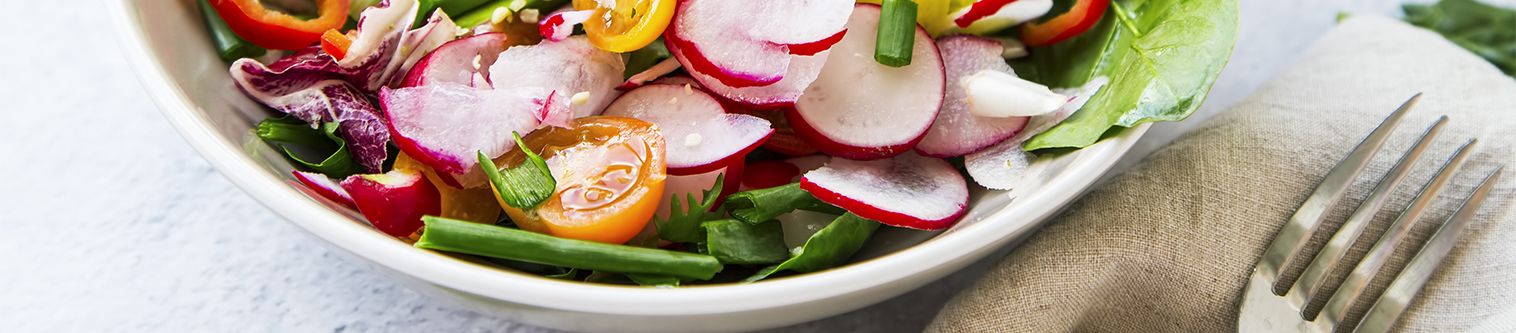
(679, 142)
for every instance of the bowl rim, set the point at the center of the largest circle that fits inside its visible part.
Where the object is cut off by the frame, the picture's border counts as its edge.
(278, 195)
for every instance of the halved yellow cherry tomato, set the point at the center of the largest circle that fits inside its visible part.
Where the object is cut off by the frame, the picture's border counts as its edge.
(468, 204)
(630, 26)
(610, 173)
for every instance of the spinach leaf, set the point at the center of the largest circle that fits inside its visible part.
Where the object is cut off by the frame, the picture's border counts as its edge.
(1161, 57)
(1487, 31)
(683, 223)
(296, 138)
(832, 245)
(761, 205)
(736, 242)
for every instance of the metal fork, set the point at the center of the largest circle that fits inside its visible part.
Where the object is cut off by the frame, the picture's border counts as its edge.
(1269, 307)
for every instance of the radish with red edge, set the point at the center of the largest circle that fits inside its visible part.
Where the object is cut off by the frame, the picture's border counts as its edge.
(394, 202)
(956, 131)
(860, 109)
(802, 71)
(571, 67)
(748, 43)
(444, 125)
(559, 25)
(464, 61)
(325, 187)
(766, 174)
(910, 190)
(701, 136)
(987, 16)
(784, 140)
(657, 71)
(1004, 165)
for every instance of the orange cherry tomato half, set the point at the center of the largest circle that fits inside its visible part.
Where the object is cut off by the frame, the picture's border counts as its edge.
(632, 25)
(274, 29)
(468, 204)
(1081, 16)
(610, 173)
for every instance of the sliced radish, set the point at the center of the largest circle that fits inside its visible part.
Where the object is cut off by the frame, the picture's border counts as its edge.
(464, 61)
(571, 66)
(909, 190)
(815, 47)
(991, 15)
(747, 43)
(678, 80)
(860, 109)
(394, 202)
(701, 135)
(766, 174)
(559, 25)
(1004, 165)
(656, 72)
(325, 187)
(795, 21)
(1001, 94)
(784, 140)
(444, 125)
(421, 42)
(802, 71)
(957, 132)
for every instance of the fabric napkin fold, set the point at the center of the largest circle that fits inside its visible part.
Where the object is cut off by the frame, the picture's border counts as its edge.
(1169, 245)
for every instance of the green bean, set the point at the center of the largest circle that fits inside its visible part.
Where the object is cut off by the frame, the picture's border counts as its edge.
(228, 45)
(450, 235)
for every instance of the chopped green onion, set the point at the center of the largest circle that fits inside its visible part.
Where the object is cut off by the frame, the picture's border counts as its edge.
(297, 138)
(835, 243)
(451, 235)
(524, 186)
(897, 33)
(736, 242)
(482, 14)
(228, 45)
(761, 205)
(683, 223)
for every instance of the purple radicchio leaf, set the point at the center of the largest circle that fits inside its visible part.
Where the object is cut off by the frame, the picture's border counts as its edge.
(315, 96)
(376, 52)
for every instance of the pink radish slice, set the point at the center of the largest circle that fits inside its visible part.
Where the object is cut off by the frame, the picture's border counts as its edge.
(860, 109)
(802, 71)
(701, 135)
(766, 174)
(957, 132)
(815, 47)
(559, 25)
(1003, 165)
(652, 73)
(325, 187)
(909, 190)
(794, 21)
(570, 66)
(678, 80)
(444, 125)
(992, 15)
(394, 202)
(420, 42)
(453, 62)
(713, 33)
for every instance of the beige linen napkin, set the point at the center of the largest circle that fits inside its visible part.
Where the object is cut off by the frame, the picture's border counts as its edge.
(1168, 246)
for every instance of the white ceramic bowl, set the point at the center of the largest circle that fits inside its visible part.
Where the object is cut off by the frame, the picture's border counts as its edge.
(172, 54)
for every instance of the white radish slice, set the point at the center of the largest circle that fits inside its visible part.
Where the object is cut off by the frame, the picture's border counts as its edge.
(991, 15)
(701, 135)
(1003, 166)
(1001, 94)
(420, 42)
(860, 109)
(802, 71)
(570, 66)
(463, 61)
(651, 73)
(325, 187)
(444, 125)
(558, 26)
(957, 132)
(713, 34)
(909, 190)
(796, 21)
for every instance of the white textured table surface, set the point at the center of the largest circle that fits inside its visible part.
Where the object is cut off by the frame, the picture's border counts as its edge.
(112, 223)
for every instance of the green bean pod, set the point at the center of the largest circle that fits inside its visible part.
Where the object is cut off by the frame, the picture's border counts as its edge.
(450, 235)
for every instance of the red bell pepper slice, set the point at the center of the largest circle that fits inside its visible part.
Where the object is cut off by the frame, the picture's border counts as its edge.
(273, 29)
(1081, 16)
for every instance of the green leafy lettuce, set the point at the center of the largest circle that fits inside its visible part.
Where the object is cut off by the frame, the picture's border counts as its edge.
(1161, 57)
(736, 242)
(299, 142)
(1487, 31)
(832, 245)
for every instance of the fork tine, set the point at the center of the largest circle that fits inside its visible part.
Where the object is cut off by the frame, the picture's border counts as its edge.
(1337, 306)
(1385, 311)
(1293, 235)
(1309, 284)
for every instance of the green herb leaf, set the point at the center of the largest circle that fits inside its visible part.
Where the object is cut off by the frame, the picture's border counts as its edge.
(444, 234)
(683, 223)
(896, 38)
(524, 186)
(761, 205)
(1161, 57)
(1487, 31)
(736, 242)
(296, 138)
(835, 243)
(644, 58)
